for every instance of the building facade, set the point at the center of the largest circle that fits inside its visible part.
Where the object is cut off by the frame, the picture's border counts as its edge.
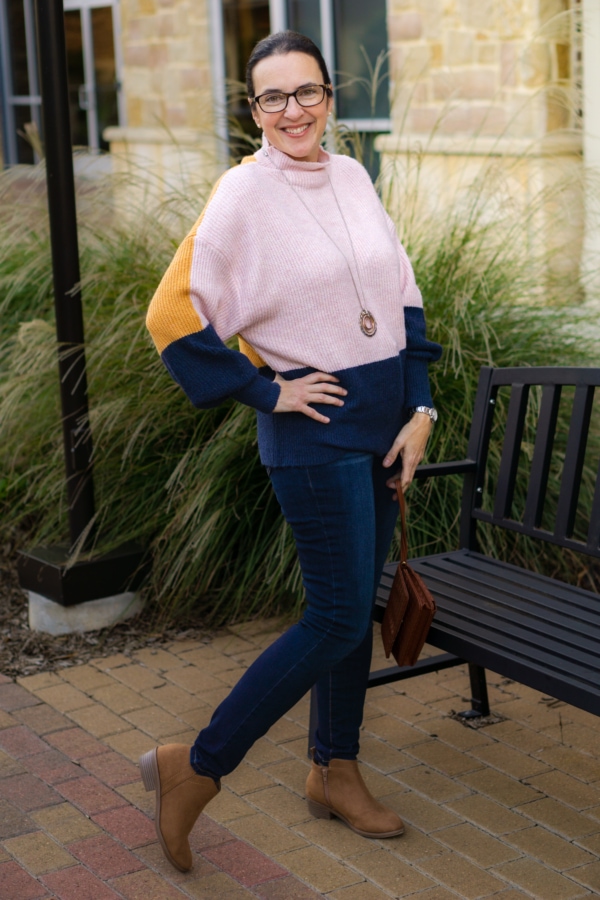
(156, 81)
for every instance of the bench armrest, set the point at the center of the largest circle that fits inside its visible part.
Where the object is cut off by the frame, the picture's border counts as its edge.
(453, 467)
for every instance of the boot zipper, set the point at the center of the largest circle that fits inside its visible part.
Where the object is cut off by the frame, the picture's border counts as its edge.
(325, 771)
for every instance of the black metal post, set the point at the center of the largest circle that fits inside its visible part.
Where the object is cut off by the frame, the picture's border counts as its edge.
(65, 264)
(48, 571)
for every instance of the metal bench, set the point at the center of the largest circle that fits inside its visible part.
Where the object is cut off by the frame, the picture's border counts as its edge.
(528, 424)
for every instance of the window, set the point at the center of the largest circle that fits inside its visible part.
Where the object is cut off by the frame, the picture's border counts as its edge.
(18, 80)
(93, 65)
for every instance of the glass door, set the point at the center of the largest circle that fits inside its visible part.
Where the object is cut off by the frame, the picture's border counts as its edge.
(244, 23)
(19, 98)
(93, 65)
(92, 72)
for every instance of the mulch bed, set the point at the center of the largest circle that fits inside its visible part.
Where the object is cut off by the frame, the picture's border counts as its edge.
(25, 652)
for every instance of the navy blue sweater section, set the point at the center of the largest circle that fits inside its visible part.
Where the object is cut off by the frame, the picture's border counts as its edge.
(379, 396)
(210, 372)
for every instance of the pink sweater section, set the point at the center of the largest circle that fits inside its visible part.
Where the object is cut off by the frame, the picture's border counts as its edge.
(275, 268)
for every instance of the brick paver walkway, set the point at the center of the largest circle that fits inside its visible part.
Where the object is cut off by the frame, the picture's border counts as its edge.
(508, 810)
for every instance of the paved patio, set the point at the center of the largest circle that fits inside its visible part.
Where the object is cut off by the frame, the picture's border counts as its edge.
(508, 810)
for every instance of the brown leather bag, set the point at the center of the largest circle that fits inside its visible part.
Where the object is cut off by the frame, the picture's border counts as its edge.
(410, 607)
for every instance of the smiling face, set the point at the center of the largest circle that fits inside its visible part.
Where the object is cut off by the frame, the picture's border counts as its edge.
(296, 130)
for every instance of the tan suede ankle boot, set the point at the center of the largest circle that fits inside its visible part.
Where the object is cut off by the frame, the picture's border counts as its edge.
(339, 790)
(181, 795)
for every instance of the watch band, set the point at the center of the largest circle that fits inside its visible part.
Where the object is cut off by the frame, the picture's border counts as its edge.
(428, 410)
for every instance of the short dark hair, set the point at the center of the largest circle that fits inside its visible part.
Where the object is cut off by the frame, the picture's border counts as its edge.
(278, 44)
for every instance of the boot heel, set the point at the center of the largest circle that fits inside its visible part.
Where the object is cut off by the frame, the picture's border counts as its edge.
(149, 770)
(318, 810)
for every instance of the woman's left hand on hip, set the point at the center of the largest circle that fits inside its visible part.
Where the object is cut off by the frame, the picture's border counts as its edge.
(410, 445)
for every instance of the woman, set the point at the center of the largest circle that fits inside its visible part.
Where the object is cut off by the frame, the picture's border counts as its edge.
(295, 254)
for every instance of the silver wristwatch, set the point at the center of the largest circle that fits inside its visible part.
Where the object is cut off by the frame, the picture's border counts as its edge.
(428, 410)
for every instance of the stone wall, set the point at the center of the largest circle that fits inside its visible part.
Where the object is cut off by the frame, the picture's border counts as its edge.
(167, 83)
(481, 67)
(485, 88)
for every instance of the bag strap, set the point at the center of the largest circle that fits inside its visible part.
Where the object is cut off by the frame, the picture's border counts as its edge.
(403, 538)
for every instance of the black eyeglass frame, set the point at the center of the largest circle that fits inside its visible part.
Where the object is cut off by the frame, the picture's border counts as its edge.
(327, 92)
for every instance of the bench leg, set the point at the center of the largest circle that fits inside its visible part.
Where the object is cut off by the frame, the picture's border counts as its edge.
(313, 720)
(480, 705)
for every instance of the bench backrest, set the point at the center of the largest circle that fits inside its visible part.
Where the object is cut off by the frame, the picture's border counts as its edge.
(535, 438)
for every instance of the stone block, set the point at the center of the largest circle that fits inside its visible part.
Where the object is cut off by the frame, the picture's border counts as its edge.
(567, 789)
(320, 870)
(390, 873)
(245, 863)
(131, 744)
(156, 722)
(52, 618)
(119, 698)
(227, 807)
(105, 857)
(77, 882)
(98, 721)
(112, 769)
(90, 795)
(433, 785)
(560, 818)
(422, 813)
(282, 805)
(64, 697)
(289, 888)
(553, 851)
(459, 47)
(487, 52)
(27, 792)
(266, 835)
(489, 815)
(477, 83)
(538, 880)
(53, 767)
(507, 791)
(75, 743)
(509, 51)
(13, 696)
(334, 837)
(19, 742)
(39, 853)
(129, 826)
(477, 846)
(42, 719)
(405, 26)
(65, 823)
(462, 876)
(15, 883)
(86, 678)
(535, 64)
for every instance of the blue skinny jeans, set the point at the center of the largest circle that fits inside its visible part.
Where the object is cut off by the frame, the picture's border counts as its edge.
(342, 517)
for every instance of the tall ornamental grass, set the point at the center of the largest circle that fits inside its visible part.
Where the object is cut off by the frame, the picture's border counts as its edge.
(188, 483)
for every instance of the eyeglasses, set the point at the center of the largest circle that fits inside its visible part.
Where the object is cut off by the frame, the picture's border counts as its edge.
(276, 101)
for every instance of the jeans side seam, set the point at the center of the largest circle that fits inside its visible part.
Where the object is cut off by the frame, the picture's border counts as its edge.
(323, 637)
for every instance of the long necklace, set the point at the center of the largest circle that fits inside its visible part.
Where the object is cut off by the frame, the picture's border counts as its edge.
(366, 321)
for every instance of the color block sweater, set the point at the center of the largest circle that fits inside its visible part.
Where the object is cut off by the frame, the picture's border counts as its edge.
(270, 260)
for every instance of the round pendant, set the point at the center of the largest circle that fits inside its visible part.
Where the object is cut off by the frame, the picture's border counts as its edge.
(368, 325)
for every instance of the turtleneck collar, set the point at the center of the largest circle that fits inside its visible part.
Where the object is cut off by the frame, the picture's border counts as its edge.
(297, 172)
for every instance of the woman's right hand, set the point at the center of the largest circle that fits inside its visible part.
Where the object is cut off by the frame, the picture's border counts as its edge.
(318, 387)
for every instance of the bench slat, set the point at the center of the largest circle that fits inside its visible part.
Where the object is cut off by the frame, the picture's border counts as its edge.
(511, 448)
(574, 459)
(501, 636)
(511, 525)
(542, 456)
(593, 544)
